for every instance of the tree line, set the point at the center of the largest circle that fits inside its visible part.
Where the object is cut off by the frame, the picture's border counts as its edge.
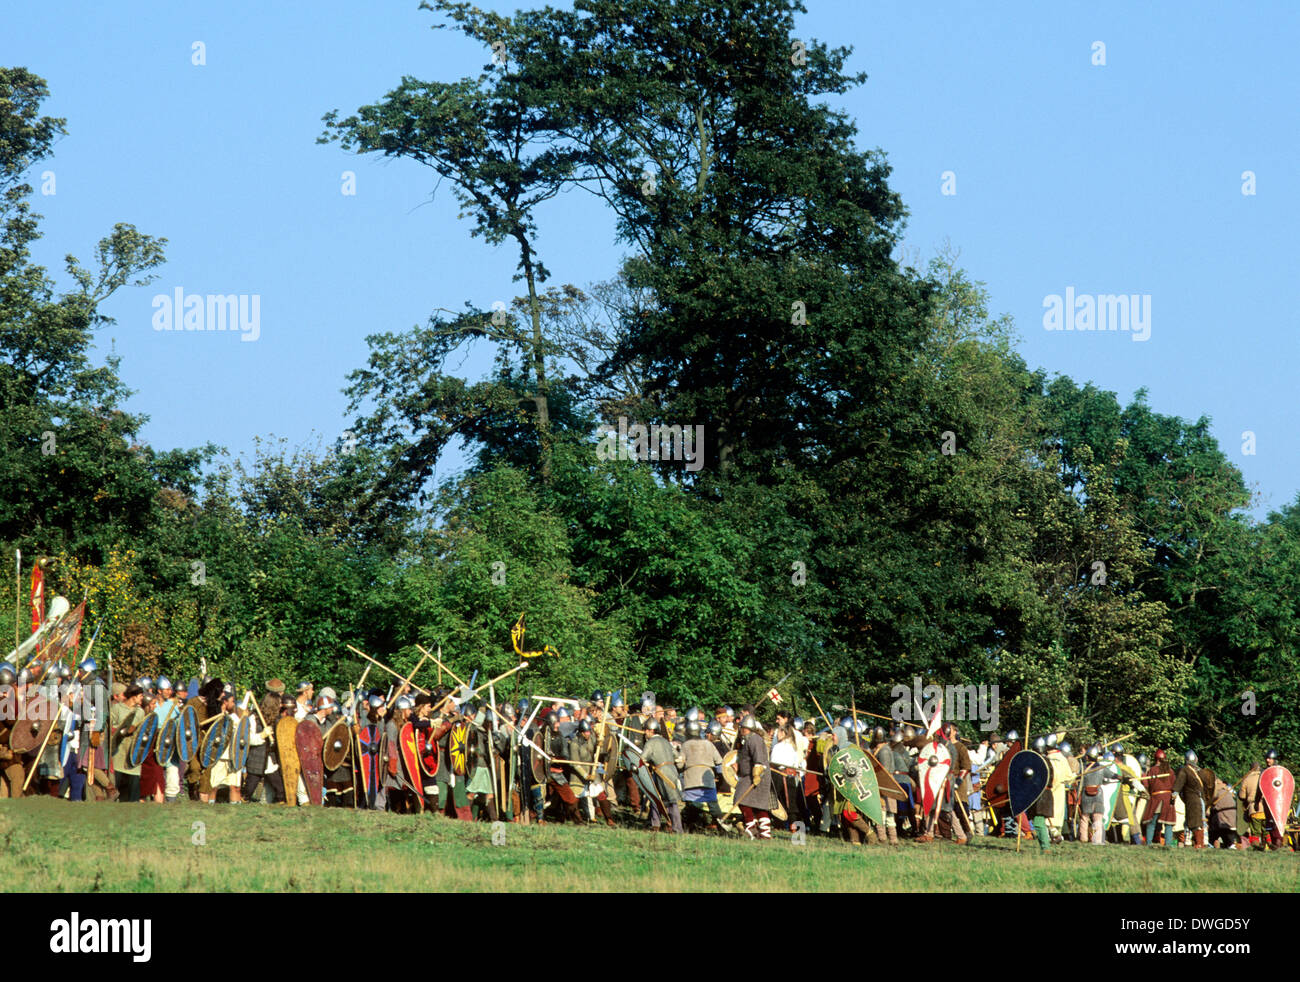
(886, 489)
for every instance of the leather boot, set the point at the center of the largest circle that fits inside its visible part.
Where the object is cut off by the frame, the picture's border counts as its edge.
(607, 810)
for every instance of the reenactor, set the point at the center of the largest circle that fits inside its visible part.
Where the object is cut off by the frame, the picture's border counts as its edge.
(1159, 784)
(1041, 811)
(402, 797)
(700, 762)
(558, 786)
(953, 809)
(1268, 826)
(1251, 808)
(223, 773)
(1191, 786)
(303, 700)
(753, 781)
(11, 764)
(481, 789)
(1092, 802)
(124, 719)
(583, 775)
(659, 757)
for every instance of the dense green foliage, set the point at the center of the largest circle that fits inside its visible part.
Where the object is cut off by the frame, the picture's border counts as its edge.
(884, 489)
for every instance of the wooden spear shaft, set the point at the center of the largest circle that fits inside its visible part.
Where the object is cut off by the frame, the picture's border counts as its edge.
(18, 597)
(1029, 708)
(396, 675)
(441, 667)
(822, 711)
(248, 697)
(36, 762)
(486, 685)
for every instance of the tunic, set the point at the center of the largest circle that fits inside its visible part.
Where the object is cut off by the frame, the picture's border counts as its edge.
(1188, 784)
(699, 758)
(660, 758)
(753, 753)
(1160, 785)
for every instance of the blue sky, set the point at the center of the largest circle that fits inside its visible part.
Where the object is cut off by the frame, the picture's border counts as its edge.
(1122, 178)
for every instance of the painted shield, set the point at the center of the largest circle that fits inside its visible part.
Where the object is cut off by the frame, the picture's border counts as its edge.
(243, 741)
(187, 735)
(428, 752)
(29, 733)
(1109, 798)
(851, 774)
(144, 737)
(1027, 778)
(932, 766)
(337, 743)
(1125, 801)
(1276, 787)
(368, 754)
(310, 742)
(166, 749)
(458, 748)
(218, 739)
(285, 729)
(729, 767)
(996, 789)
(410, 754)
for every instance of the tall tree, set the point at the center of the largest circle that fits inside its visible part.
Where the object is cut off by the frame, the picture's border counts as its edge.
(71, 470)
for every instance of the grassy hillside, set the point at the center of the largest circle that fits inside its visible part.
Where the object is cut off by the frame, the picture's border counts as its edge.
(55, 846)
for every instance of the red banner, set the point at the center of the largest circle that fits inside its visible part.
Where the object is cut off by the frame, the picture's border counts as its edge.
(38, 597)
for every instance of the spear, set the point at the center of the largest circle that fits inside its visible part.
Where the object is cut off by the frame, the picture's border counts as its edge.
(829, 724)
(390, 671)
(489, 686)
(18, 596)
(108, 740)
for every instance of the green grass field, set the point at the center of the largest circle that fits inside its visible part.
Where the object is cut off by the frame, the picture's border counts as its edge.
(52, 845)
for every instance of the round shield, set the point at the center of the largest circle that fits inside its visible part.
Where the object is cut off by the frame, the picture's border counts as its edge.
(144, 737)
(338, 741)
(29, 731)
(187, 735)
(218, 739)
(458, 748)
(729, 767)
(167, 740)
(243, 740)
